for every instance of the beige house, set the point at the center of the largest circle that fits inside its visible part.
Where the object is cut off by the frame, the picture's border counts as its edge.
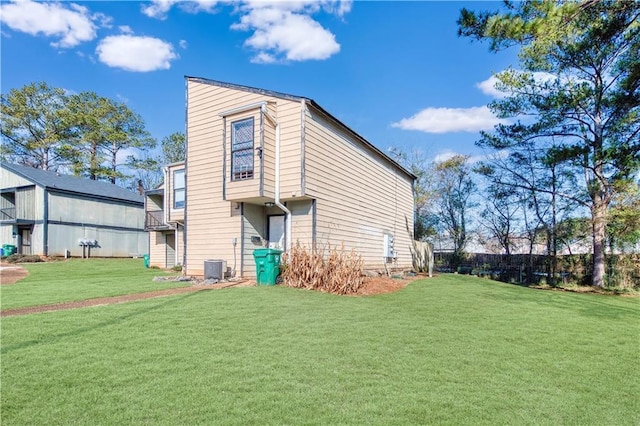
(164, 218)
(271, 169)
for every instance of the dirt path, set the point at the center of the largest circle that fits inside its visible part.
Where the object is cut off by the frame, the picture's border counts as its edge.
(9, 274)
(118, 299)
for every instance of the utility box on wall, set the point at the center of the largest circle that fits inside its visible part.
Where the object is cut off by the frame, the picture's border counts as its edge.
(214, 269)
(388, 249)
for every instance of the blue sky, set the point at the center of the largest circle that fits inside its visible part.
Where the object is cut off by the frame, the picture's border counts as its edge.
(395, 72)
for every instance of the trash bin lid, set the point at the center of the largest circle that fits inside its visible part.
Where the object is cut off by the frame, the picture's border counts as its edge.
(261, 252)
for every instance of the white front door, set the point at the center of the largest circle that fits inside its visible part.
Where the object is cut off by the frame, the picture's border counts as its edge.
(276, 232)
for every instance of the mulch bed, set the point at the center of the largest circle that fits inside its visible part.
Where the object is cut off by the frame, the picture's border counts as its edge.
(381, 285)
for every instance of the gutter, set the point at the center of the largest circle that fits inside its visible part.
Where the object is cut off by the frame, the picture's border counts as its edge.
(45, 223)
(276, 201)
(165, 171)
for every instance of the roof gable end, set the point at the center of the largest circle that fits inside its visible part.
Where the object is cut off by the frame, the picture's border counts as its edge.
(314, 104)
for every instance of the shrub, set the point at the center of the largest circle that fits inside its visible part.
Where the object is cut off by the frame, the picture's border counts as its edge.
(23, 258)
(339, 272)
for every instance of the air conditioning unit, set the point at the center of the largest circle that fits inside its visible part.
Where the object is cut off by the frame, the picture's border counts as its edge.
(214, 269)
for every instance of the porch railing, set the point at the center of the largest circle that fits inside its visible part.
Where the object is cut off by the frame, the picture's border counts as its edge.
(155, 220)
(8, 214)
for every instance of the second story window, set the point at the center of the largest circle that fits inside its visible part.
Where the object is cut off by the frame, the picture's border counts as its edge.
(178, 189)
(242, 149)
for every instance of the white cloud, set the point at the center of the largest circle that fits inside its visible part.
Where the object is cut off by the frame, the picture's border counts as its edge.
(445, 155)
(72, 24)
(158, 8)
(183, 44)
(123, 154)
(283, 30)
(472, 159)
(488, 87)
(125, 29)
(263, 58)
(449, 120)
(282, 33)
(134, 53)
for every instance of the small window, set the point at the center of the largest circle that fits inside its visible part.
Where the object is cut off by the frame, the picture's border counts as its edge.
(178, 189)
(242, 149)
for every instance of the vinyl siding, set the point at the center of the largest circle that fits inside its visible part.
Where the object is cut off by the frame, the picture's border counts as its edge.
(6, 235)
(170, 249)
(290, 148)
(68, 208)
(268, 153)
(180, 243)
(157, 250)
(112, 242)
(212, 223)
(301, 221)
(160, 254)
(28, 207)
(360, 196)
(8, 179)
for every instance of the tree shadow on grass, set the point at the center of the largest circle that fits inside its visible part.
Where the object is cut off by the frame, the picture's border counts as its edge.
(589, 305)
(82, 330)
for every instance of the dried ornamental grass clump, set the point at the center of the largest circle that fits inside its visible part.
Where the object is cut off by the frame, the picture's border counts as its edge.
(339, 272)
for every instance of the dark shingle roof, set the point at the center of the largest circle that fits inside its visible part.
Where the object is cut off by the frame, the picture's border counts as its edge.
(66, 183)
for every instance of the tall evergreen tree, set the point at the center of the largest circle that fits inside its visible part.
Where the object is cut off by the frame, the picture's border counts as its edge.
(104, 128)
(33, 126)
(578, 87)
(174, 148)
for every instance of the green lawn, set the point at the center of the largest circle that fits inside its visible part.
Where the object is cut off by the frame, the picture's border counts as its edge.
(448, 350)
(80, 279)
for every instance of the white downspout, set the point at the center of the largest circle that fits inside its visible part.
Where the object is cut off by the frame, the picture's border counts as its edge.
(176, 242)
(165, 198)
(277, 177)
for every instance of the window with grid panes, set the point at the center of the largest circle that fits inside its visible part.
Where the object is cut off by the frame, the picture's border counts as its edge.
(242, 149)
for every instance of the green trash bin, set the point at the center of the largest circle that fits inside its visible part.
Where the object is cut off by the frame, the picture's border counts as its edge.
(267, 265)
(146, 260)
(9, 249)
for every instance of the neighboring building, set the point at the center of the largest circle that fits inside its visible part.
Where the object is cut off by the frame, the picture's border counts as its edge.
(44, 213)
(268, 168)
(164, 219)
